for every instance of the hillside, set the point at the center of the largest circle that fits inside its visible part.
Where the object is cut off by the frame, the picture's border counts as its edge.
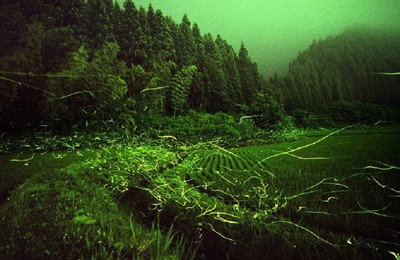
(345, 68)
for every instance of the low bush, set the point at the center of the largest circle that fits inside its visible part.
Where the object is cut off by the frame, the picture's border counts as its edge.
(197, 126)
(357, 112)
(309, 120)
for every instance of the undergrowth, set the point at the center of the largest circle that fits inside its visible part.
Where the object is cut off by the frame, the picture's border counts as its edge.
(170, 132)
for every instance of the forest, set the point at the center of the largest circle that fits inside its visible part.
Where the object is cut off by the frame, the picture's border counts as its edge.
(97, 61)
(127, 135)
(93, 61)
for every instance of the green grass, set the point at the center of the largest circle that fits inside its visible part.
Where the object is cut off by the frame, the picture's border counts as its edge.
(325, 196)
(75, 213)
(16, 168)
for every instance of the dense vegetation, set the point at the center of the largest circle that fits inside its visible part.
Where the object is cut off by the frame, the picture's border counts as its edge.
(90, 61)
(345, 75)
(124, 134)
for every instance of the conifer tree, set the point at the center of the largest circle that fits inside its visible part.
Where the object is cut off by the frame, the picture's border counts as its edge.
(249, 77)
(98, 23)
(142, 52)
(231, 72)
(184, 44)
(216, 76)
(161, 39)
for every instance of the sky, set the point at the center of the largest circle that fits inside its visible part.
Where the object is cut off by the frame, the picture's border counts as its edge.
(274, 31)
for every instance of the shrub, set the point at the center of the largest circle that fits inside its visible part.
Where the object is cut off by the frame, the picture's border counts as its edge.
(357, 112)
(306, 119)
(196, 126)
(268, 112)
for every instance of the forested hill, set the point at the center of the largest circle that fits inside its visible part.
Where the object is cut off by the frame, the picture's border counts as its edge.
(345, 68)
(78, 61)
(74, 63)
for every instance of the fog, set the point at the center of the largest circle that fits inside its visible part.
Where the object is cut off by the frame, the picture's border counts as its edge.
(274, 31)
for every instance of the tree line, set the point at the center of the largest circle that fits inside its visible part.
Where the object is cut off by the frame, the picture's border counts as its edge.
(76, 61)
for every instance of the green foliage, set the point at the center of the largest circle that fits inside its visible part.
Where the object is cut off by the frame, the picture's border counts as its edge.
(308, 120)
(130, 167)
(45, 86)
(180, 84)
(197, 126)
(184, 43)
(268, 112)
(154, 99)
(342, 113)
(151, 88)
(133, 193)
(49, 206)
(93, 83)
(249, 76)
(309, 181)
(314, 193)
(87, 89)
(20, 95)
(345, 112)
(18, 166)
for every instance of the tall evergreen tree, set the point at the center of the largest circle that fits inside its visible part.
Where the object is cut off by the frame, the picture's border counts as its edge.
(93, 89)
(97, 22)
(184, 43)
(249, 77)
(230, 69)
(161, 39)
(128, 33)
(198, 92)
(153, 46)
(216, 78)
(144, 40)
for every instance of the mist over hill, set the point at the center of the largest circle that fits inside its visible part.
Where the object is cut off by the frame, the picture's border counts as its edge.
(348, 67)
(274, 31)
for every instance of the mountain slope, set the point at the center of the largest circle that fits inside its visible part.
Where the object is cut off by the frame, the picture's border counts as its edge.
(345, 68)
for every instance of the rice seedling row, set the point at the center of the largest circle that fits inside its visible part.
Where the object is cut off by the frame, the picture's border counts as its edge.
(250, 159)
(207, 163)
(216, 165)
(230, 164)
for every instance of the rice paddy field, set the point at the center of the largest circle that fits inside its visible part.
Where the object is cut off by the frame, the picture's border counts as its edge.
(344, 185)
(332, 194)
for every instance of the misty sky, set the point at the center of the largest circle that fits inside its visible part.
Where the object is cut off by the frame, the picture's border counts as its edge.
(275, 30)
